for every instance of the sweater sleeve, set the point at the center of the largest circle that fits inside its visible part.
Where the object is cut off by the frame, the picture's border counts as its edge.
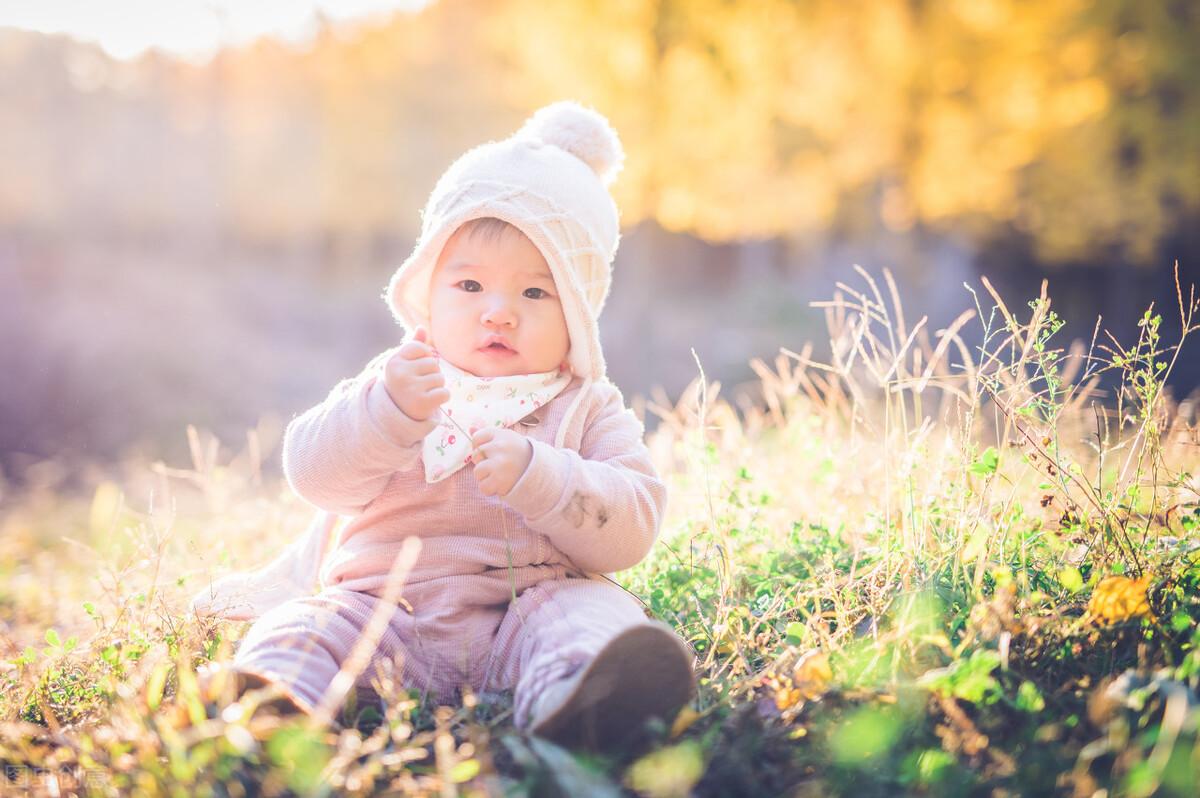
(340, 454)
(602, 505)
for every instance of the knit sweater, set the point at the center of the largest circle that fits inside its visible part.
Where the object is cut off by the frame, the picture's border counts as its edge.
(595, 504)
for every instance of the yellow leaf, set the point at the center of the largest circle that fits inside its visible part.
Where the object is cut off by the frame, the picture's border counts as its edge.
(812, 674)
(808, 681)
(786, 697)
(1119, 598)
(686, 717)
(464, 771)
(976, 545)
(156, 683)
(106, 504)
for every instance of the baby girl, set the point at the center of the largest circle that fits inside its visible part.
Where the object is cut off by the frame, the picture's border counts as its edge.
(494, 436)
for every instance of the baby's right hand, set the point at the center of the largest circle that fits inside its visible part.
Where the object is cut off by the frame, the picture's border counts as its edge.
(413, 380)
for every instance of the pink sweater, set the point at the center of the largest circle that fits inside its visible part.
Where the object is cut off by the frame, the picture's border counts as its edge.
(595, 504)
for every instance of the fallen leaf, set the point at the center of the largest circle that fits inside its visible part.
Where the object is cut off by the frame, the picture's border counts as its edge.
(686, 717)
(812, 674)
(1119, 598)
(808, 681)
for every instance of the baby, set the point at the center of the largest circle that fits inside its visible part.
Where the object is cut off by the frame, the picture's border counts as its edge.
(493, 435)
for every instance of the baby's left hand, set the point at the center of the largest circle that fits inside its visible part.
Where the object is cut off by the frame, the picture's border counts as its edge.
(501, 457)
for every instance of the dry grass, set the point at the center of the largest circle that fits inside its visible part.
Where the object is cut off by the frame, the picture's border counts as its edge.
(919, 568)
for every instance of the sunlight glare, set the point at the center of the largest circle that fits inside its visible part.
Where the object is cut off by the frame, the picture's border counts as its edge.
(192, 29)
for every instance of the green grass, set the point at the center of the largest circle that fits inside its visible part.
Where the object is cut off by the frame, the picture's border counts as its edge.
(896, 569)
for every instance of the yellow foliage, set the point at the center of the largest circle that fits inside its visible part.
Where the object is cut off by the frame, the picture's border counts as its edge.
(769, 118)
(683, 721)
(106, 504)
(740, 120)
(1119, 598)
(808, 681)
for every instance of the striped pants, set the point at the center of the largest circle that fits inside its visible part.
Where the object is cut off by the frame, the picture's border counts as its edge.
(446, 633)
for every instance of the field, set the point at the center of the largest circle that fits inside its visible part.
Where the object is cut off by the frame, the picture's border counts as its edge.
(921, 568)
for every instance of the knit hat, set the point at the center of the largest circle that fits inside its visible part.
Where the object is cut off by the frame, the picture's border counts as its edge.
(549, 180)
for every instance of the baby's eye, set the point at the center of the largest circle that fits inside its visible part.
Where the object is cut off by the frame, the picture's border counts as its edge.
(535, 293)
(469, 285)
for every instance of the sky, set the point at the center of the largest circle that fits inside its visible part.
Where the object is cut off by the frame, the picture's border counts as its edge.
(192, 29)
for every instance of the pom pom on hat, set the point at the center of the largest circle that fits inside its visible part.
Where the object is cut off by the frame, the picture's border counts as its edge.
(581, 131)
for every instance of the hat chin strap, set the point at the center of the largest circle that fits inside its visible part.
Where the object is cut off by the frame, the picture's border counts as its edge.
(561, 435)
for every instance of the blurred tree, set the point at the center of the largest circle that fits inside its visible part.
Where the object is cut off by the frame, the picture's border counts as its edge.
(1075, 124)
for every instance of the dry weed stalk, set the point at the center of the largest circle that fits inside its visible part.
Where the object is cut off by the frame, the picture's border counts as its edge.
(910, 412)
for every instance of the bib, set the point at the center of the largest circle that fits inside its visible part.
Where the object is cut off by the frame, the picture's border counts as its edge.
(478, 402)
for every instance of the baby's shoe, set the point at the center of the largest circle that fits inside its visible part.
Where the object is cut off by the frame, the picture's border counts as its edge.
(642, 673)
(221, 684)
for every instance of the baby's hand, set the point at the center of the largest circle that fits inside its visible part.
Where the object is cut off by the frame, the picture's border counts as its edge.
(501, 457)
(413, 380)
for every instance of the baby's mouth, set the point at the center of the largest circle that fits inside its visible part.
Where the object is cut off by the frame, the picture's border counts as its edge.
(498, 347)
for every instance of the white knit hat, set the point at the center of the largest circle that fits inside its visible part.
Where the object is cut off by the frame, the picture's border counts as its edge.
(549, 180)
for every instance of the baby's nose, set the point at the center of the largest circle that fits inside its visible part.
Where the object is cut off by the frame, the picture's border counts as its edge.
(499, 312)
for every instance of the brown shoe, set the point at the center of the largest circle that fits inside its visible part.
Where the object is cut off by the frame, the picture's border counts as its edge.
(215, 678)
(644, 672)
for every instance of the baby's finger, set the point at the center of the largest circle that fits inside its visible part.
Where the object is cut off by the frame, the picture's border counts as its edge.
(400, 377)
(421, 366)
(480, 454)
(483, 436)
(411, 350)
(430, 402)
(421, 334)
(428, 382)
(404, 373)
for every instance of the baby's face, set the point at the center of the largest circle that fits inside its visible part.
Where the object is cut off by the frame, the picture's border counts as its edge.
(494, 310)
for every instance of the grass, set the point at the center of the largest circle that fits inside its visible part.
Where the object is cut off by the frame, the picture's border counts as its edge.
(919, 569)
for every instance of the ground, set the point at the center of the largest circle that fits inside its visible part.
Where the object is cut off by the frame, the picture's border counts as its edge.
(916, 570)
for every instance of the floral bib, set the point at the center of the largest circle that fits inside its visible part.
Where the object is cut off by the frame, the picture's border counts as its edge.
(478, 402)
